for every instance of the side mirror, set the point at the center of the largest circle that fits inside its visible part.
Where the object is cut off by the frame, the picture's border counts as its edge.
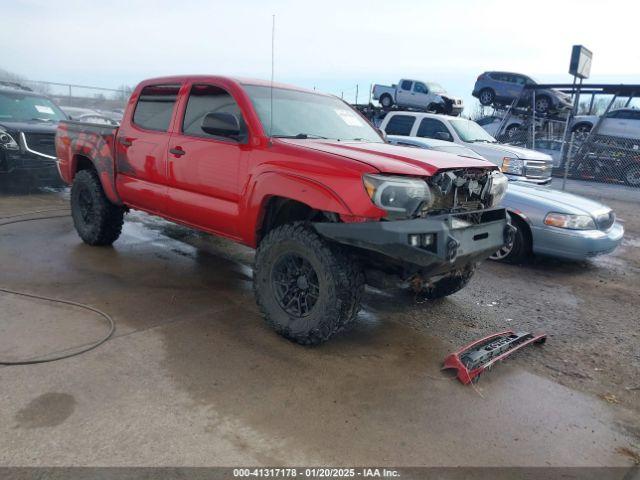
(221, 125)
(446, 136)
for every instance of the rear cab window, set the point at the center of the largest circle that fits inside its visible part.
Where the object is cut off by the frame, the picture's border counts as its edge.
(400, 125)
(154, 109)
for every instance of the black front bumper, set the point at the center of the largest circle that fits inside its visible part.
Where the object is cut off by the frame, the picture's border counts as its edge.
(458, 238)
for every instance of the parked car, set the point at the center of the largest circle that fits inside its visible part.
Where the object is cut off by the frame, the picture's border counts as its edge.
(621, 123)
(549, 222)
(504, 87)
(417, 94)
(28, 124)
(300, 176)
(515, 162)
(492, 123)
(558, 224)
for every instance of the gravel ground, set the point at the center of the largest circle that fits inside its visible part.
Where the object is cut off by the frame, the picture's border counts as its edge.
(589, 309)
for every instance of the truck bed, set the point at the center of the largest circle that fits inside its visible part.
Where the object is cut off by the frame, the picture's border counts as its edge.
(76, 141)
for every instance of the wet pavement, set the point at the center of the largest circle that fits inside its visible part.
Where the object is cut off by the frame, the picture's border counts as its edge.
(194, 377)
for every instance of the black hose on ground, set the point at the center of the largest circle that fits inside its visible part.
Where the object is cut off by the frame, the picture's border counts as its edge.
(84, 349)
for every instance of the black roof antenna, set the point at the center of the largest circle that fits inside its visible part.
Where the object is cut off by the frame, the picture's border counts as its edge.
(273, 35)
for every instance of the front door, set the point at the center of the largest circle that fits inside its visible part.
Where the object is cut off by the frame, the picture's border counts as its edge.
(204, 169)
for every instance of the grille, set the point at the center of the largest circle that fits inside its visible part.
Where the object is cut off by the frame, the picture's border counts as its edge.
(538, 169)
(605, 220)
(41, 142)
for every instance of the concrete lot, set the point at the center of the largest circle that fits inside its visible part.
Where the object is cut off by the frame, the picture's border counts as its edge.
(194, 377)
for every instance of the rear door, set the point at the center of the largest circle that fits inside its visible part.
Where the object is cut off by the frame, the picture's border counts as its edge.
(204, 169)
(141, 149)
(400, 124)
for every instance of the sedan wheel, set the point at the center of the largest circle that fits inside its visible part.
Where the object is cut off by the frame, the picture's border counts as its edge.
(503, 252)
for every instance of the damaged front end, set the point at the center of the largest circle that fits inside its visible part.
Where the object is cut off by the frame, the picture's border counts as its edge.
(438, 226)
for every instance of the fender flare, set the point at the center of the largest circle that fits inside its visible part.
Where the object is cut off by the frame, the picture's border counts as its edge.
(99, 151)
(286, 185)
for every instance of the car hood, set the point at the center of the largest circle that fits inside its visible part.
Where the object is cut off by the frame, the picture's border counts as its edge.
(29, 127)
(507, 150)
(556, 200)
(388, 158)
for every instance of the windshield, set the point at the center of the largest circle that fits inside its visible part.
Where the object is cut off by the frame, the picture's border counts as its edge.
(18, 107)
(470, 131)
(309, 115)
(435, 87)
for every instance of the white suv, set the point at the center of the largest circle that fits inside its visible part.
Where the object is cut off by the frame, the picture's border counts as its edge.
(518, 163)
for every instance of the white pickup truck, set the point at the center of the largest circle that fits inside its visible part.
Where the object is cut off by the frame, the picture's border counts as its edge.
(515, 162)
(417, 94)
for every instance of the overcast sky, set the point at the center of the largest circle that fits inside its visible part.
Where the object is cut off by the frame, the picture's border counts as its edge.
(332, 45)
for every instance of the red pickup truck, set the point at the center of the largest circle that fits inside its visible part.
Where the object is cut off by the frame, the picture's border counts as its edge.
(296, 174)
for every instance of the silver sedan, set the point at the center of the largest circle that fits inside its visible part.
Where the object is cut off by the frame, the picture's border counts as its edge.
(549, 222)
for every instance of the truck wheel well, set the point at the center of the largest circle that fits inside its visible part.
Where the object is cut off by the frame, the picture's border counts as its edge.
(279, 211)
(83, 163)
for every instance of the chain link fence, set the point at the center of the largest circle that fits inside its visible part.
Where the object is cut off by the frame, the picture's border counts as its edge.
(582, 154)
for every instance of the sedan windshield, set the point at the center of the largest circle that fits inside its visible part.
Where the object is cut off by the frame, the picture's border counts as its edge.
(471, 132)
(18, 107)
(304, 115)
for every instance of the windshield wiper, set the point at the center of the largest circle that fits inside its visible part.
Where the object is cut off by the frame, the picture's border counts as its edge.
(36, 119)
(301, 136)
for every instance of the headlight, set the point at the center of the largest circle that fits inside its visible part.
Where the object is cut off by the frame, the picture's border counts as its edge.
(7, 141)
(499, 184)
(514, 166)
(572, 222)
(399, 196)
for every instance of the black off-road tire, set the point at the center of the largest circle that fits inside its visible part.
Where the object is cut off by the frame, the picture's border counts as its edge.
(340, 284)
(448, 285)
(97, 220)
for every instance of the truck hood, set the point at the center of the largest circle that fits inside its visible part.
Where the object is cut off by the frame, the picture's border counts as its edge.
(493, 149)
(388, 158)
(555, 200)
(29, 127)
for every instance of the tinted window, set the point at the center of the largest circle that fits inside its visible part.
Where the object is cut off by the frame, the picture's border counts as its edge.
(429, 127)
(205, 99)
(155, 107)
(400, 125)
(420, 88)
(406, 84)
(519, 80)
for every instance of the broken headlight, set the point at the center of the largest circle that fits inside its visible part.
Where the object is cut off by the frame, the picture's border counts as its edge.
(498, 190)
(570, 221)
(399, 196)
(7, 141)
